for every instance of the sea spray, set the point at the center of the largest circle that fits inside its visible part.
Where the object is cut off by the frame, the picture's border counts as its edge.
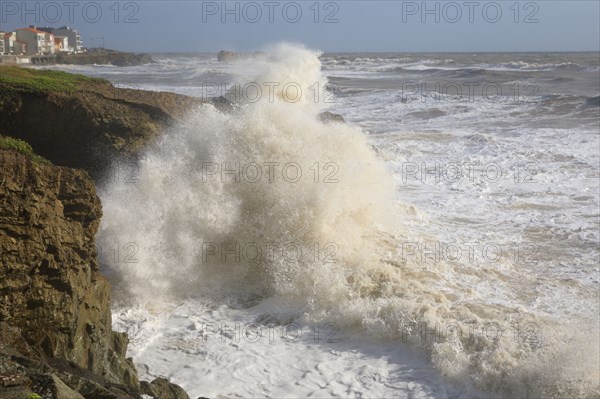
(268, 201)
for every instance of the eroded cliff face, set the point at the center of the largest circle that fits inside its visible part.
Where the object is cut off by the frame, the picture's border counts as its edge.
(90, 129)
(55, 321)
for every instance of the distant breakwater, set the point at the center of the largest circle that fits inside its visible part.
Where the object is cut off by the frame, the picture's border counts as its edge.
(98, 57)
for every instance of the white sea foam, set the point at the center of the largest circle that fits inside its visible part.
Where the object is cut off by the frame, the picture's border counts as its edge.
(466, 317)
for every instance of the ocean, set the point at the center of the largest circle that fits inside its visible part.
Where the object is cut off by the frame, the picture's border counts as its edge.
(442, 243)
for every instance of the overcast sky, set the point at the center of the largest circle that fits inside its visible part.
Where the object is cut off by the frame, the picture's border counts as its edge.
(359, 26)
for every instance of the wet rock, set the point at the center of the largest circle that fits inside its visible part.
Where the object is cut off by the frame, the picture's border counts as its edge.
(90, 126)
(55, 309)
(227, 56)
(50, 386)
(12, 379)
(330, 117)
(260, 55)
(161, 388)
(55, 320)
(15, 393)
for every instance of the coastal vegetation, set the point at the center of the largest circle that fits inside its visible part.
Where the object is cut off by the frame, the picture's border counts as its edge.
(13, 78)
(56, 339)
(20, 146)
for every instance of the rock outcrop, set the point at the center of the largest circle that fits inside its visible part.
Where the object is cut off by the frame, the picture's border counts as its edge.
(56, 339)
(104, 57)
(260, 55)
(54, 303)
(81, 122)
(161, 388)
(227, 56)
(330, 117)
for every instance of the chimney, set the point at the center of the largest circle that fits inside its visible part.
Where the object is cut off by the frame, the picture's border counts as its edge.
(32, 26)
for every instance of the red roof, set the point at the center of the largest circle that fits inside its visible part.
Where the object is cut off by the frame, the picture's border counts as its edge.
(33, 30)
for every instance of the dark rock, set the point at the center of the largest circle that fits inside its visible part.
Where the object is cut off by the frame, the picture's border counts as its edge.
(161, 388)
(260, 55)
(9, 380)
(93, 385)
(92, 389)
(50, 386)
(61, 310)
(13, 344)
(92, 127)
(55, 321)
(330, 117)
(227, 56)
(19, 392)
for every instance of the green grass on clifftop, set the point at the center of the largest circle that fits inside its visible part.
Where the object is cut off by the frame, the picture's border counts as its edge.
(22, 147)
(43, 80)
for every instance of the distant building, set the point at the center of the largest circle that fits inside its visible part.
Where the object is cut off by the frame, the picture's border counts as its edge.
(75, 42)
(8, 40)
(61, 44)
(13, 46)
(40, 41)
(37, 41)
(20, 47)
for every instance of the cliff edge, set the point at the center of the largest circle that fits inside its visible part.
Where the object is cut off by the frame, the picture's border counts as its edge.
(56, 339)
(82, 122)
(55, 320)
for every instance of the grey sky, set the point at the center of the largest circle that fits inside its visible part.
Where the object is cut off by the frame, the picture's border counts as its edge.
(362, 26)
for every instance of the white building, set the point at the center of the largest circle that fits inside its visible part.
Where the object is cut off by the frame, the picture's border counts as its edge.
(75, 42)
(13, 46)
(37, 41)
(61, 44)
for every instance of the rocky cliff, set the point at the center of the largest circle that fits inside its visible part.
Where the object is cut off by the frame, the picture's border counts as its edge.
(56, 338)
(55, 323)
(54, 304)
(82, 122)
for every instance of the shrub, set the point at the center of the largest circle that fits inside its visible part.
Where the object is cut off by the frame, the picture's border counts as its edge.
(43, 80)
(22, 147)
